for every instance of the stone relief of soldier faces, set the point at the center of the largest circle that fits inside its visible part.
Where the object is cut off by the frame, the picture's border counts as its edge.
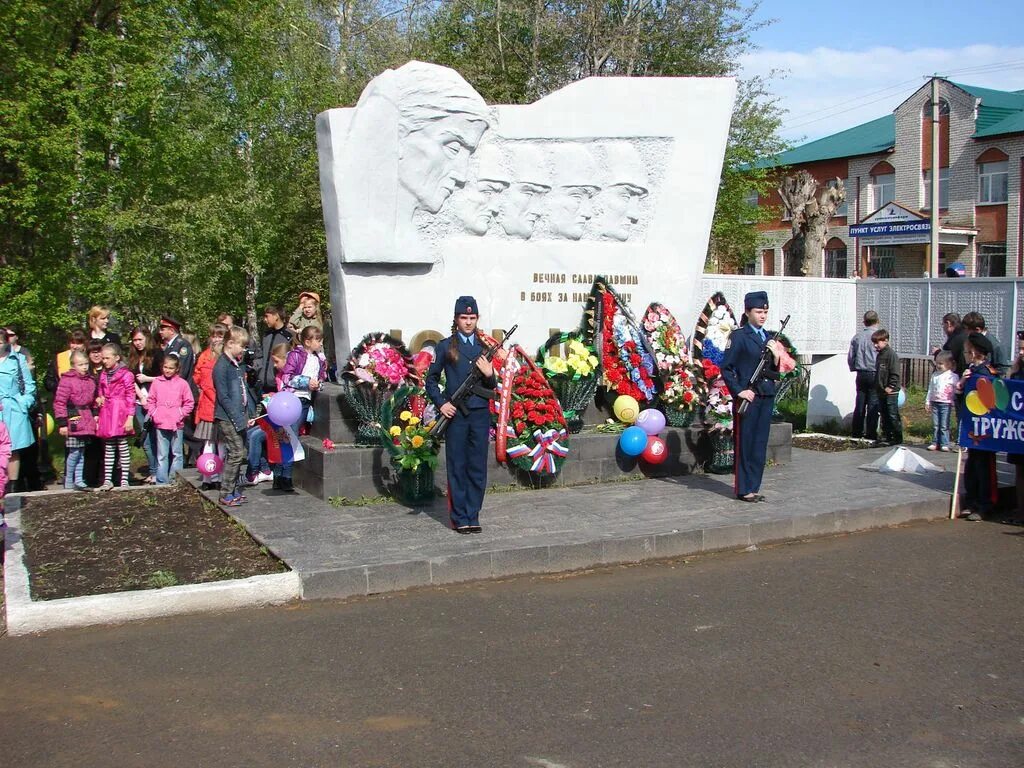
(567, 190)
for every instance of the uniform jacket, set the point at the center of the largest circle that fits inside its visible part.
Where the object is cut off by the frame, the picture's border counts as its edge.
(76, 397)
(861, 356)
(455, 374)
(235, 400)
(742, 357)
(169, 402)
(117, 388)
(296, 362)
(15, 376)
(888, 371)
(186, 356)
(203, 378)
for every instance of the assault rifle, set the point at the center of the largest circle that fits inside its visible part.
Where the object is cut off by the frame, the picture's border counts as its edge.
(758, 374)
(471, 386)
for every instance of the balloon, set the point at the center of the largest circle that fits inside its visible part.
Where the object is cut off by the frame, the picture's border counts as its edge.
(209, 464)
(655, 451)
(901, 398)
(974, 404)
(1002, 394)
(49, 425)
(633, 441)
(284, 409)
(986, 393)
(626, 409)
(651, 421)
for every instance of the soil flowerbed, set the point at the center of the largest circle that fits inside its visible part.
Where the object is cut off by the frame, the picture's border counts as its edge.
(829, 443)
(94, 543)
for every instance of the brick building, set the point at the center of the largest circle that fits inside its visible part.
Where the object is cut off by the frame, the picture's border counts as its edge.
(885, 166)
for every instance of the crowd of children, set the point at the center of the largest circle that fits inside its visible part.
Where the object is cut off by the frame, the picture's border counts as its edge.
(969, 352)
(161, 394)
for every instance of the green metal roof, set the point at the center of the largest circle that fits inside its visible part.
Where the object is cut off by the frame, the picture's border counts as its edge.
(866, 139)
(999, 112)
(1014, 123)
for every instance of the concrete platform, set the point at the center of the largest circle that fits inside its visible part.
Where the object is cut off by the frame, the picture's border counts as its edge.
(344, 551)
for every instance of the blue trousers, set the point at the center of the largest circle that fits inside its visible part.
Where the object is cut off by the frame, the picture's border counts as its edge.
(750, 436)
(170, 457)
(466, 443)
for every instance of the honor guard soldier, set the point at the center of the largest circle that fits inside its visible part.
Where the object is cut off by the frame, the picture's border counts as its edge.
(468, 435)
(750, 429)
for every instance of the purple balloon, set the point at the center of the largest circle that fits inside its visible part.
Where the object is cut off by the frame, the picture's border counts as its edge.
(284, 409)
(651, 421)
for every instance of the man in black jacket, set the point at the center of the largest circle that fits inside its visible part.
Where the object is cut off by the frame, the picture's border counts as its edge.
(276, 334)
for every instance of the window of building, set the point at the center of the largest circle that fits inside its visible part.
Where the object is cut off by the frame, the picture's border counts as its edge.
(993, 182)
(835, 258)
(883, 190)
(943, 188)
(751, 198)
(843, 208)
(883, 262)
(750, 268)
(991, 260)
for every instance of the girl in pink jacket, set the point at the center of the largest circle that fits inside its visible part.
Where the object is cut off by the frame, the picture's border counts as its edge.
(170, 401)
(116, 401)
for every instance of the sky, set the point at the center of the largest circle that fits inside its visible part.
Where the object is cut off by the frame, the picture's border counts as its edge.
(838, 65)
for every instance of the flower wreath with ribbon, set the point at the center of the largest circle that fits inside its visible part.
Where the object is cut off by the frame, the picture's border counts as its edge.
(531, 431)
(627, 361)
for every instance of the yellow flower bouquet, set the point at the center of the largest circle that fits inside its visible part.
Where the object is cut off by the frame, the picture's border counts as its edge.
(412, 448)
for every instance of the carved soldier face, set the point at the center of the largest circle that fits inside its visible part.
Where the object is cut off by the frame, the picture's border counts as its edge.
(480, 204)
(434, 159)
(620, 210)
(569, 210)
(523, 205)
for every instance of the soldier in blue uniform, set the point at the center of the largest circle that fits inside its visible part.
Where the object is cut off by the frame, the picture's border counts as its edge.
(750, 430)
(467, 438)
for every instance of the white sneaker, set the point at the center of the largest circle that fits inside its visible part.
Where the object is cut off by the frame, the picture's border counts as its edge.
(107, 486)
(264, 477)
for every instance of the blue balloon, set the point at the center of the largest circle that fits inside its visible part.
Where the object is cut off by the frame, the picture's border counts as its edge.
(284, 408)
(901, 398)
(633, 441)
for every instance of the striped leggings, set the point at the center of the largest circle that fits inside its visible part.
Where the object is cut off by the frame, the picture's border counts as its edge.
(116, 449)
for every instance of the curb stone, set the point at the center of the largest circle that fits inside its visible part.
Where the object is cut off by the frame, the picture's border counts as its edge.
(25, 615)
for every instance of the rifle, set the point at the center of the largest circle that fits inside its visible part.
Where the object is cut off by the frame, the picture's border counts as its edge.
(766, 356)
(471, 386)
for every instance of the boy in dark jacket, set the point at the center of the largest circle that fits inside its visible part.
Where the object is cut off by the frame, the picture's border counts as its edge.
(234, 410)
(887, 379)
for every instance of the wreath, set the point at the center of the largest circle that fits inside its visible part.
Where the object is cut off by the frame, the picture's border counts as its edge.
(710, 339)
(573, 378)
(378, 365)
(531, 431)
(627, 362)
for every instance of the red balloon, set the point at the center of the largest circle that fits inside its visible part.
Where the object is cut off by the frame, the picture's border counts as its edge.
(656, 450)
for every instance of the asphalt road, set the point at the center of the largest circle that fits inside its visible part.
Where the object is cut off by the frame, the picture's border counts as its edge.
(883, 650)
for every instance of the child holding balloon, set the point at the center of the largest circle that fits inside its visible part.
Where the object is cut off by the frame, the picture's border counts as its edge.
(234, 411)
(169, 402)
(206, 430)
(306, 368)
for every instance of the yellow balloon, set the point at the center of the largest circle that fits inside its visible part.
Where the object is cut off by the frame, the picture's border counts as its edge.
(974, 404)
(50, 425)
(626, 409)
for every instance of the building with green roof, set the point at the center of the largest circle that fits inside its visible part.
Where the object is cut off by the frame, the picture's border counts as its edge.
(883, 228)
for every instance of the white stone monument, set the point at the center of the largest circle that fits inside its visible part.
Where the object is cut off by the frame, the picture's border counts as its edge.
(429, 194)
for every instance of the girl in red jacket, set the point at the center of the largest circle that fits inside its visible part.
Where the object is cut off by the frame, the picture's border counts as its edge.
(206, 429)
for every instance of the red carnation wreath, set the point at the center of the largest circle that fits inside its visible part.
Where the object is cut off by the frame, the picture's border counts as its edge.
(531, 431)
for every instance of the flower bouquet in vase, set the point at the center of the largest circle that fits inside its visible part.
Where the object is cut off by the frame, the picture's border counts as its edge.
(377, 367)
(572, 378)
(412, 448)
(531, 432)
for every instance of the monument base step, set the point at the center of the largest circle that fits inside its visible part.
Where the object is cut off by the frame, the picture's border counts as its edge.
(353, 472)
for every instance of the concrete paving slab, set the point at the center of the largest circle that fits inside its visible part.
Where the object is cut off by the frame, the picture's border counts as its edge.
(355, 550)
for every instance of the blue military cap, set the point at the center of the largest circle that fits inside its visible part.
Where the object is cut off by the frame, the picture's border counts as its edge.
(466, 305)
(755, 300)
